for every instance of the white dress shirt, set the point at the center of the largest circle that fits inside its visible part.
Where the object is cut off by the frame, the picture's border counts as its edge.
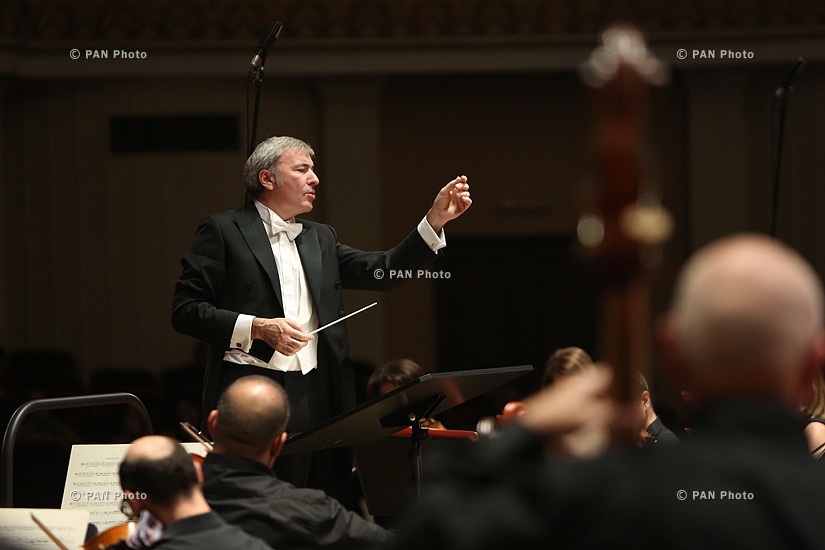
(295, 295)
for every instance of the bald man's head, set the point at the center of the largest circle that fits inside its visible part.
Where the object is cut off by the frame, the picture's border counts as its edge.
(746, 316)
(251, 413)
(159, 467)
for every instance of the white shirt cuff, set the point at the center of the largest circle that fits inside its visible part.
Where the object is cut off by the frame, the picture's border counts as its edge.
(435, 242)
(242, 334)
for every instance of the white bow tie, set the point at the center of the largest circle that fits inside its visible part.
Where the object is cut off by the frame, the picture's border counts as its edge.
(292, 230)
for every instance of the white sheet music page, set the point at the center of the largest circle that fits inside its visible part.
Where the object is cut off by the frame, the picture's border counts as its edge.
(93, 484)
(18, 529)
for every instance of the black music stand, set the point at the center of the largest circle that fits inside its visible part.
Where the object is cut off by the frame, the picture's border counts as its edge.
(405, 406)
(388, 469)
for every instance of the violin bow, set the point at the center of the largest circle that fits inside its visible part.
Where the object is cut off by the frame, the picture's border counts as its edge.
(197, 436)
(48, 531)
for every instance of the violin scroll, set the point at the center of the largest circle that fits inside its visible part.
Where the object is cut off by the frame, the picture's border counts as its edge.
(622, 229)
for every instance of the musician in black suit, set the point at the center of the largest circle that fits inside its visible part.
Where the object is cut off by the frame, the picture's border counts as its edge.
(158, 475)
(257, 281)
(239, 484)
(654, 432)
(745, 335)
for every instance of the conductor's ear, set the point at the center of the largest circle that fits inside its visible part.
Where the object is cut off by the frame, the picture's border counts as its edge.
(267, 179)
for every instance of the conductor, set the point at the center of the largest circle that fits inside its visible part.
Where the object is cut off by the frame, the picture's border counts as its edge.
(258, 280)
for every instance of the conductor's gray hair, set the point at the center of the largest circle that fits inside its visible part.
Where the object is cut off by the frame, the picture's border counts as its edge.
(265, 156)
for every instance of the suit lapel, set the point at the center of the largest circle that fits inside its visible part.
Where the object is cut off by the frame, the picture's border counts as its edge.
(252, 228)
(309, 249)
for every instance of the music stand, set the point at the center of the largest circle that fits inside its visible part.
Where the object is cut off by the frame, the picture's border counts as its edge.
(404, 406)
(387, 469)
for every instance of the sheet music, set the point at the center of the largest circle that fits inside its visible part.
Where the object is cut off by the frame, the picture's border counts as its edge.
(18, 530)
(93, 484)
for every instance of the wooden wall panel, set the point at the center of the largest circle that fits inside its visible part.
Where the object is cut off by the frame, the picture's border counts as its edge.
(96, 238)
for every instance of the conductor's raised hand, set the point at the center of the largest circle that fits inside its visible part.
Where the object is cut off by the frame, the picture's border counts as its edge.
(284, 335)
(451, 202)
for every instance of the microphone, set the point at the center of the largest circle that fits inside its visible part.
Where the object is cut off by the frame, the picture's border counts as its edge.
(786, 82)
(265, 41)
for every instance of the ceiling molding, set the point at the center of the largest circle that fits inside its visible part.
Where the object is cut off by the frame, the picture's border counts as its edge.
(185, 22)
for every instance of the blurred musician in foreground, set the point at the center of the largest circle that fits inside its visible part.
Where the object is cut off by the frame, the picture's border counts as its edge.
(563, 362)
(571, 361)
(592, 438)
(745, 334)
(248, 428)
(162, 479)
